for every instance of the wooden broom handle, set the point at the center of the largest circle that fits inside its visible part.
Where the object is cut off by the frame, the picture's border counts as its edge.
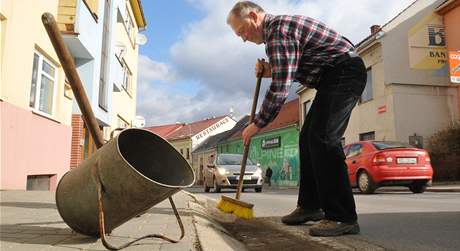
(251, 119)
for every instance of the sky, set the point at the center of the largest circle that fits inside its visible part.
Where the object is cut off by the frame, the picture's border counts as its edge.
(194, 67)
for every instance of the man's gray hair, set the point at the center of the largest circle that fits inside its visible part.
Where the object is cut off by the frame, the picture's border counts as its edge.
(242, 9)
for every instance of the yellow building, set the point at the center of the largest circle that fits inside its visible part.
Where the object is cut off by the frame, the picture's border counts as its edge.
(127, 52)
(103, 38)
(35, 103)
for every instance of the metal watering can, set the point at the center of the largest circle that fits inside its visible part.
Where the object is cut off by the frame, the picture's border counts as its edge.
(125, 177)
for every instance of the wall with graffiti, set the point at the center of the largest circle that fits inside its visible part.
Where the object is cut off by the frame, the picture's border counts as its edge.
(277, 150)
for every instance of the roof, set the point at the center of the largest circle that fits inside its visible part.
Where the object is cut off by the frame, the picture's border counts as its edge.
(447, 6)
(188, 130)
(136, 5)
(164, 130)
(212, 141)
(288, 115)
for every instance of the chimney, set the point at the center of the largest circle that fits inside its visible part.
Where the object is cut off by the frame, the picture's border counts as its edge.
(375, 28)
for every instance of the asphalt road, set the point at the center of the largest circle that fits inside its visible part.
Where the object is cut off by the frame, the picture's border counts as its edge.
(392, 220)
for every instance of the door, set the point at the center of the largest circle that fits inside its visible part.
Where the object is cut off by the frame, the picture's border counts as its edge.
(353, 161)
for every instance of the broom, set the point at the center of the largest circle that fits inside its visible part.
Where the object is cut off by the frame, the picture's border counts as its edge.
(236, 206)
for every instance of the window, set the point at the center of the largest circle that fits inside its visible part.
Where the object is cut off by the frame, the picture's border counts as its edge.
(129, 25)
(355, 150)
(232, 159)
(182, 151)
(382, 145)
(345, 150)
(42, 90)
(39, 182)
(92, 6)
(127, 77)
(306, 108)
(367, 93)
(188, 153)
(367, 136)
(121, 123)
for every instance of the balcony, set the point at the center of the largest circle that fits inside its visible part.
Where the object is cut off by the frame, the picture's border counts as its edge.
(67, 12)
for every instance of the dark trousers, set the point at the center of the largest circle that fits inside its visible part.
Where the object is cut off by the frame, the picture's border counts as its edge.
(323, 173)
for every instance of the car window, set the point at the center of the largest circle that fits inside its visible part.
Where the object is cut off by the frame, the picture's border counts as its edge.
(231, 159)
(355, 150)
(345, 150)
(381, 145)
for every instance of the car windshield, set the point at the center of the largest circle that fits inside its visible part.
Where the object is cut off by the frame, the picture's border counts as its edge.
(381, 145)
(231, 159)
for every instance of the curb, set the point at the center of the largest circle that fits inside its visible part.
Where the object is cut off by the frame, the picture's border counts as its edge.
(213, 236)
(210, 234)
(433, 189)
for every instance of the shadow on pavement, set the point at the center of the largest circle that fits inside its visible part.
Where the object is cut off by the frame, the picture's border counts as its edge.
(40, 233)
(168, 211)
(36, 205)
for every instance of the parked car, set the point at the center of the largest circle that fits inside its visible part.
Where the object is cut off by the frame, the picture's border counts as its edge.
(372, 164)
(223, 171)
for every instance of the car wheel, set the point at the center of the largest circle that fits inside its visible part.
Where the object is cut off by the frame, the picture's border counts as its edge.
(418, 187)
(206, 188)
(216, 187)
(258, 189)
(365, 183)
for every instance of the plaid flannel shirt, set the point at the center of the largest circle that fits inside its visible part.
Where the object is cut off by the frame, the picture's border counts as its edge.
(298, 49)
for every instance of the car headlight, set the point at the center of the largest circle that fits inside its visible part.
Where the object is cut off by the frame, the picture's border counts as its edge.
(222, 171)
(258, 172)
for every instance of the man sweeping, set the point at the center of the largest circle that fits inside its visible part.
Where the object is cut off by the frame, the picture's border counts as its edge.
(305, 50)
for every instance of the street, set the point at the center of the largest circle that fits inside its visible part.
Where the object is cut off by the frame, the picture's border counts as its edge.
(391, 219)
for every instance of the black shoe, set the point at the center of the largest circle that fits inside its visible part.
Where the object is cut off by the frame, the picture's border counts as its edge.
(334, 228)
(300, 216)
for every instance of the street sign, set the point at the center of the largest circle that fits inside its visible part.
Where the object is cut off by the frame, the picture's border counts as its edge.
(454, 65)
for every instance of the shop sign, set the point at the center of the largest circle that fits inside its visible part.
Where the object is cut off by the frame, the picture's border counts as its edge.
(271, 142)
(454, 63)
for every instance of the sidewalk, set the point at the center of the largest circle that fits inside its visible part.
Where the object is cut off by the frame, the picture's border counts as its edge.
(30, 221)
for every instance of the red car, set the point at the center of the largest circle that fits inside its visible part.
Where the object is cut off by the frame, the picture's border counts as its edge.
(372, 164)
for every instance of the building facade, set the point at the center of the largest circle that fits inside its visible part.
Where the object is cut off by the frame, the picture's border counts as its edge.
(450, 12)
(185, 138)
(408, 96)
(208, 148)
(102, 36)
(42, 132)
(275, 146)
(35, 102)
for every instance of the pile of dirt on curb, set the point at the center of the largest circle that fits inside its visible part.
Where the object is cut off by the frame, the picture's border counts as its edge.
(261, 234)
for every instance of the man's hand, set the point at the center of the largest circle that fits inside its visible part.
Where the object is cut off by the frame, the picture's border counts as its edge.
(266, 68)
(248, 132)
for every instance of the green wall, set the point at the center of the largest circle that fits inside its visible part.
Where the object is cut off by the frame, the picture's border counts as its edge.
(284, 160)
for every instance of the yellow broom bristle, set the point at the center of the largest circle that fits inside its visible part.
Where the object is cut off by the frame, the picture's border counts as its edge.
(243, 212)
(225, 206)
(237, 210)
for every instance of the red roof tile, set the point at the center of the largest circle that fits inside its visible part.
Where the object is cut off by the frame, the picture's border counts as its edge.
(288, 115)
(193, 128)
(164, 130)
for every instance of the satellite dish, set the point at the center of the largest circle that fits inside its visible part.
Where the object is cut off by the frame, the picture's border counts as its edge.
(138, 122)
(141, 39)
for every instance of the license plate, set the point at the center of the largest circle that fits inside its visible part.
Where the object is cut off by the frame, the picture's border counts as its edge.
(245, 177)
(406, 160)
